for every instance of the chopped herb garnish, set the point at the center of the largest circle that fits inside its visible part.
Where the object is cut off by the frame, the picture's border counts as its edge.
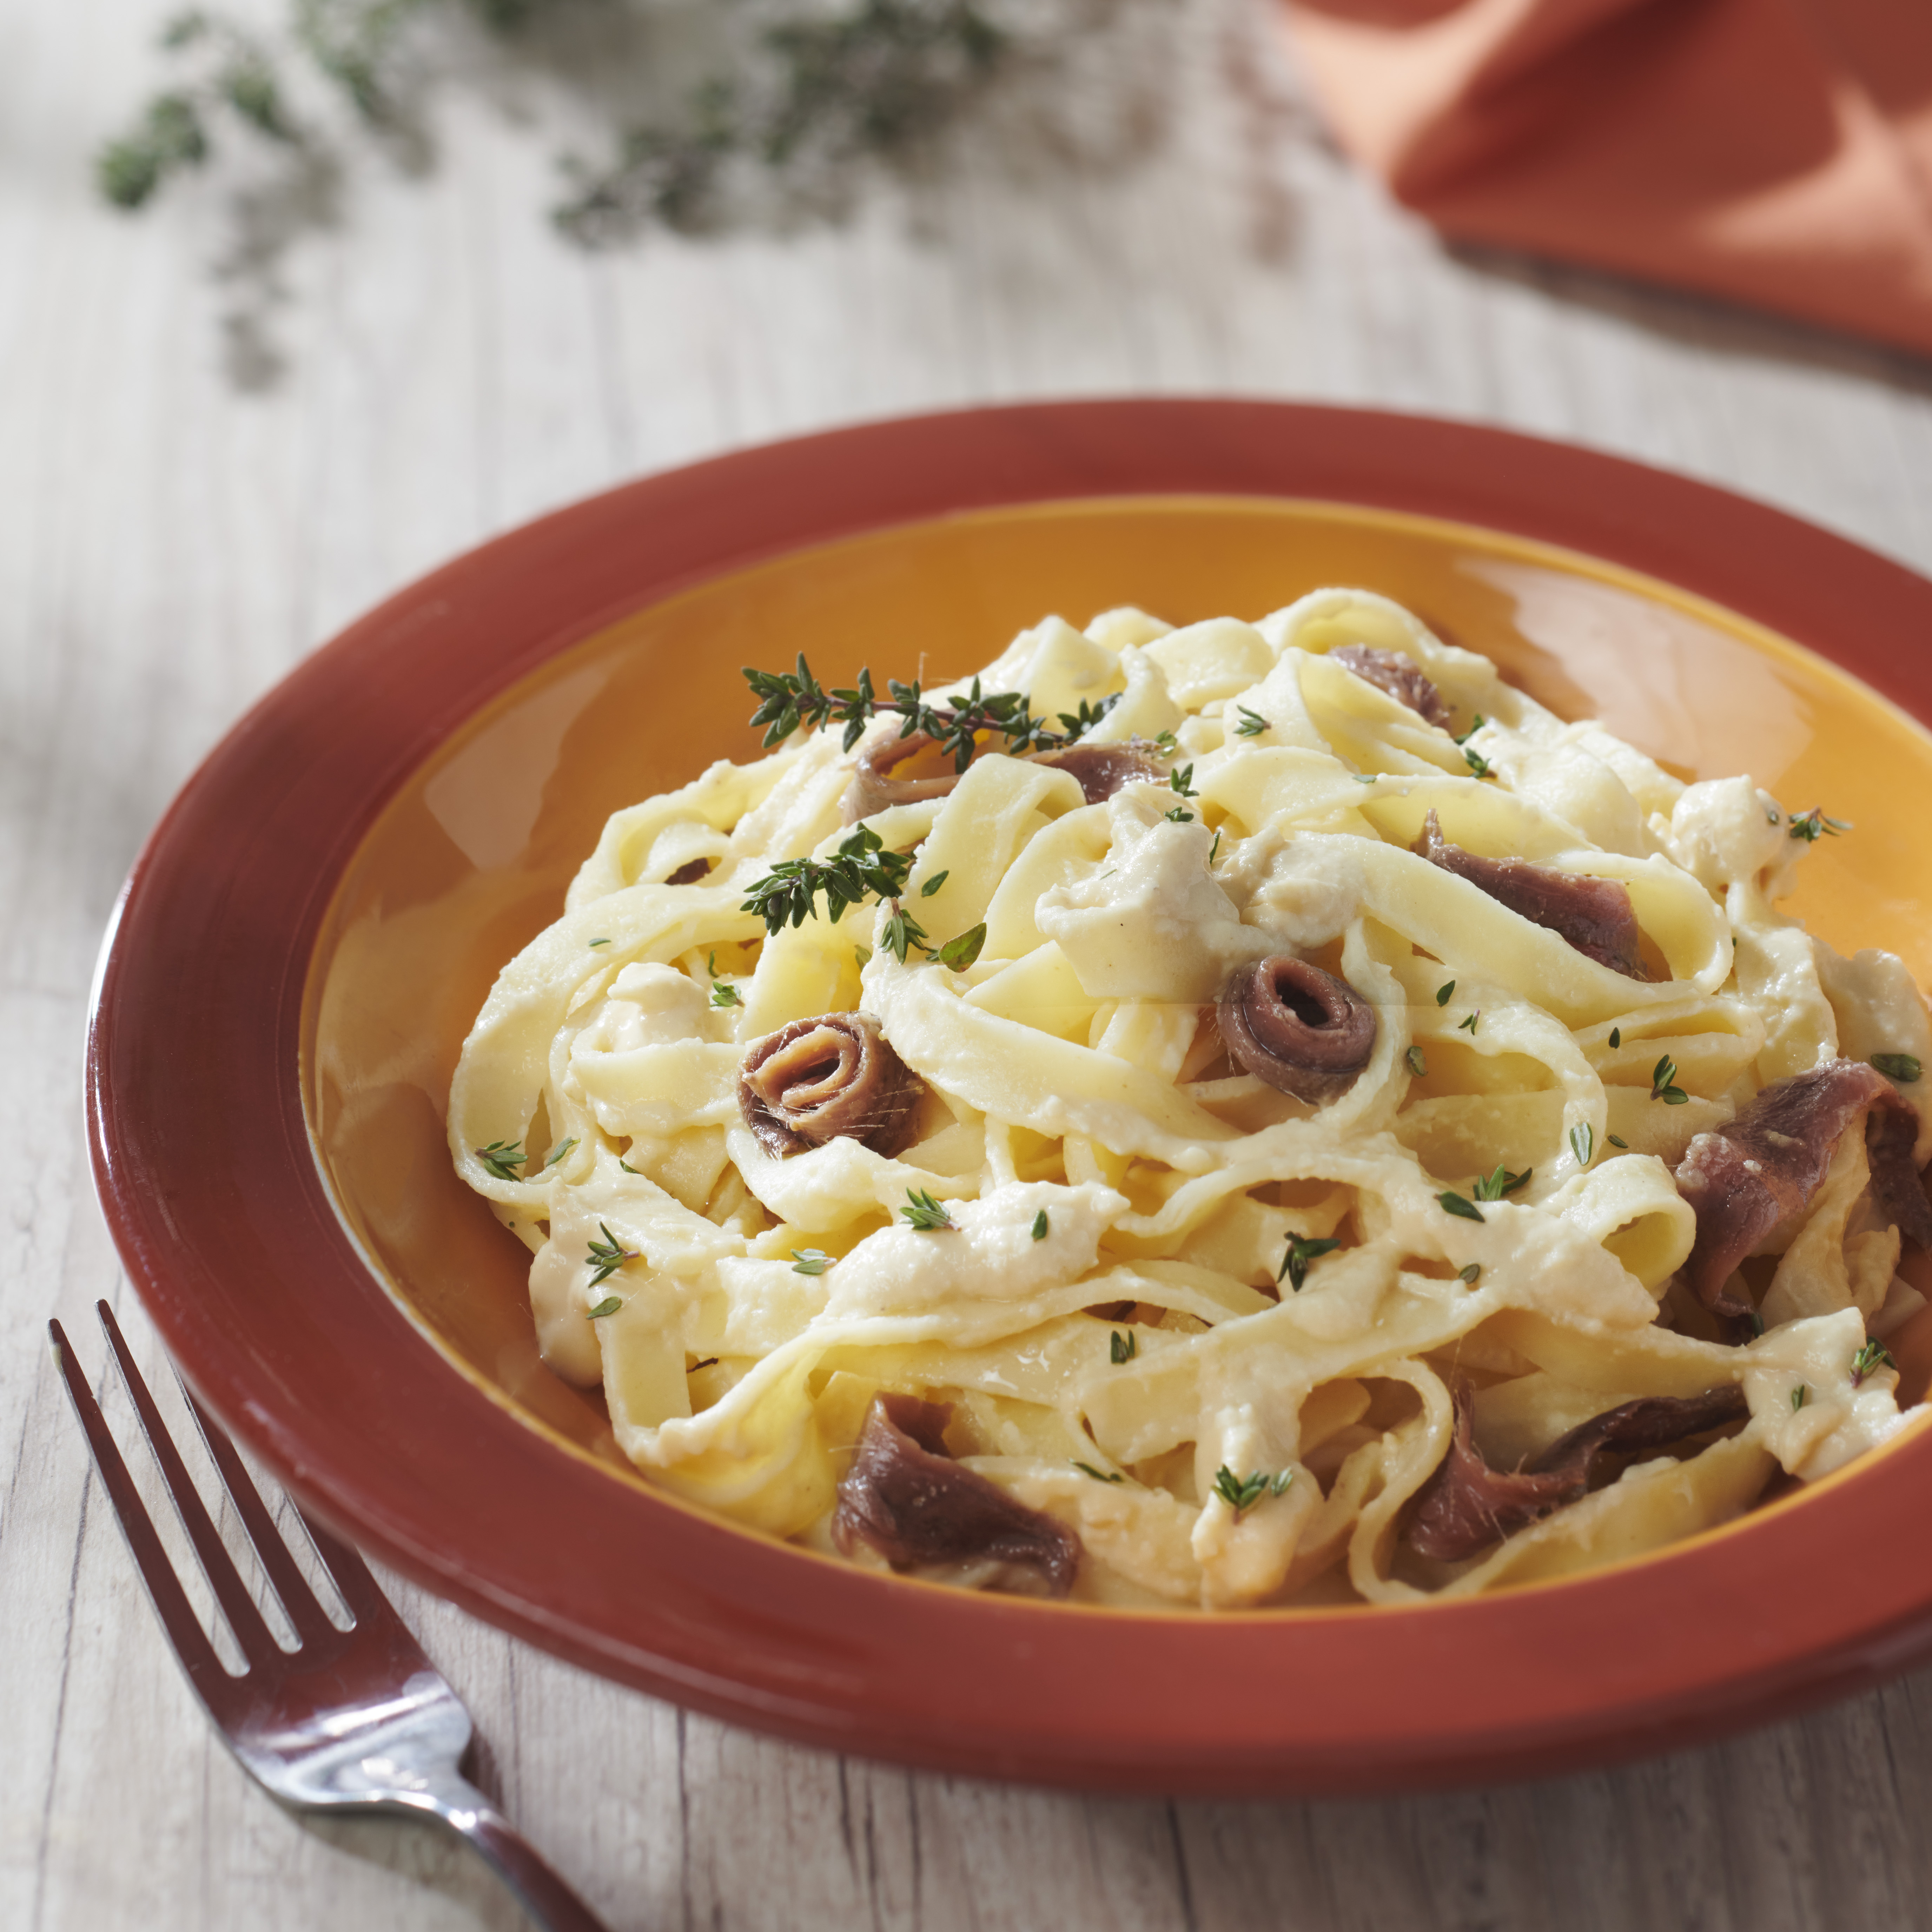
(1800, 1396)
(1480, 720)
(924, 1213)
(1241, 1493)
(600, 942)
(1179, 815)
(1294, 1269)
(1615, 1142)
(1756, 1321)
(1182, 780)
(1039, 1225)
(787, 700)
(607, 1256)
(1811, 826)
(810, 1260)
(1166, 743)
(1442, 993)
(1897, 1066)
(1467, 1024)
(609, 1305)
(1214, 848)
(725, 994)
(627, 1167)
(1252, 723)
(1122, 1348)
(1100, 1475)
(960, 952)
(1582, 1142)
(933, 884)
(1662, 1084)
(1453, 1203)
(502, 1158)
(1470, 1274)
(1418, 1064)
(711, 961)
(1616, 1036)
(1494, 1186)
(1479, 766)
(1365, 777)
(1873, 1357)
(563, 1149)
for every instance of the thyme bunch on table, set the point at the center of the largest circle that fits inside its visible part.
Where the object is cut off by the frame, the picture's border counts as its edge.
(691, 118)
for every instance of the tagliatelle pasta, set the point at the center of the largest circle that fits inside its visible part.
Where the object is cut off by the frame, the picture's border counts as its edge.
(1277, 1116)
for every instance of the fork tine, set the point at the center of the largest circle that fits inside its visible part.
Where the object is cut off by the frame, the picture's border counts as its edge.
(310, 1621)
(258, 1644)
(360, 1590)
(211, 1681)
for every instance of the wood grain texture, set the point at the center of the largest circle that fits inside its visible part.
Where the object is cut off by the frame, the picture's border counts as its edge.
(169, 545)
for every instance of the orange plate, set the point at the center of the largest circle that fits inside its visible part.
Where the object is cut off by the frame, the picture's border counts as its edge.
(304, 943)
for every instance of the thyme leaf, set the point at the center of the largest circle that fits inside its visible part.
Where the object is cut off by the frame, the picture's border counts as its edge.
(1122, 1348)
(1039, 1226)
(1418, 1063)
(1251, 724)
(1182, 780)
(607, 1256)
(924, 1213)
(1467, 1024)
(1901, 1067)
(1873, 1357)
(1813, 825)
(502, 1158)
(1294, 1267)
(1582, 1142)
(1100, 1475)
(1615, 1142)
(1241, 1493)
(1443, 992)
(1616, 1037)
(1494, 1186)
(725, 995)
(609, 1305)
(810, 1260)
(1453, 1203)
(1662, 1084)
(1800, 1396)
(933, 884)
(960, 953)
(1179, 815)
(1470, 1274)
(563, 1148)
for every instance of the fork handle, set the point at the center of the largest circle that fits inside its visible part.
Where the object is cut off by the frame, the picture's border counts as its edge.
(539, 1891)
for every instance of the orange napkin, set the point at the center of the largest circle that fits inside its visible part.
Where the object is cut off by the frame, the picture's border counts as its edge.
(1777, 151)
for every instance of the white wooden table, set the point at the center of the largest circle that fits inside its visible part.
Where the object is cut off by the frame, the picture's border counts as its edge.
(168, 546)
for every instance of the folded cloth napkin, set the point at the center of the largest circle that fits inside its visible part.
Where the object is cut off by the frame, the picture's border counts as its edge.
(1776, 152)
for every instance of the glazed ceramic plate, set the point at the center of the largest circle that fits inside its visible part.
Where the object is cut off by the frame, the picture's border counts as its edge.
(304, 943)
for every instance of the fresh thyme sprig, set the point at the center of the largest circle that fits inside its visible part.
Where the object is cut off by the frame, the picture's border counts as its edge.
(1469, 1022)
(607, 1256)
(790, 700)
(1241, 1493)
(1812, 826)
(1494, 1186)
(862, 869)
(723, 994)
(1181, 779)
(1251, 724)
(502, 1158)
(1662, 1084)
(1873, 1357)
(810, 1260)
(1294, 1269)
(928, 1215)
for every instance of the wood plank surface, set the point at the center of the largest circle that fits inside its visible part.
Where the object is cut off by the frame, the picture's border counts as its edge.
(170, 543)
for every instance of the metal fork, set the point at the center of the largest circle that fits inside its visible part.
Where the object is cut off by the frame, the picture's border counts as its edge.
(358, 1718)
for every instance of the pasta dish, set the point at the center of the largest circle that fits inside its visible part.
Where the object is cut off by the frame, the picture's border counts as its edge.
(1237, 1115)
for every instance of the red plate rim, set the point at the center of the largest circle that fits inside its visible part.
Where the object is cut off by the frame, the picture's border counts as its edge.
(203, 1164)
